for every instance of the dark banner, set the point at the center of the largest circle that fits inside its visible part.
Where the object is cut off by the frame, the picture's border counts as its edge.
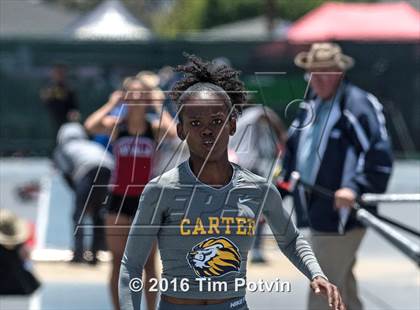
(391, 71)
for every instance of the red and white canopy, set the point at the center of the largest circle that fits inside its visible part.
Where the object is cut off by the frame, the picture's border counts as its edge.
(358, 22)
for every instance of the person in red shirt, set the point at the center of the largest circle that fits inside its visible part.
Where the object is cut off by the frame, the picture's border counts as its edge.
(134, 138)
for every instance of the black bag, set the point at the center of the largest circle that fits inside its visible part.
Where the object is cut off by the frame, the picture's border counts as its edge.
(15, 279)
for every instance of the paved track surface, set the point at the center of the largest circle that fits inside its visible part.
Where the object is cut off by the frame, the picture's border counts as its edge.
(388, 280)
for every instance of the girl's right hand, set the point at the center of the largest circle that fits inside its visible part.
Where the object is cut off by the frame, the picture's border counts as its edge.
(116, 97)
(322, 286)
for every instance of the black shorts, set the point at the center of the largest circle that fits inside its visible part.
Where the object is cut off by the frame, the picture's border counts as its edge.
(124, 205)
(237, 303)
(91, 191)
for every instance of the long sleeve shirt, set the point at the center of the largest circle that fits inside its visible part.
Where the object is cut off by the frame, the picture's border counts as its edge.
(353, 151)
(205, 233)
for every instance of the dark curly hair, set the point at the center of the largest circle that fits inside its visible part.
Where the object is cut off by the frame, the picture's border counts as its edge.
(200, 71)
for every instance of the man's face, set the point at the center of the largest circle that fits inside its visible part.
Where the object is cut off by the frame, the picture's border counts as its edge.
(325, 81)
(205, 126)
(58, 74)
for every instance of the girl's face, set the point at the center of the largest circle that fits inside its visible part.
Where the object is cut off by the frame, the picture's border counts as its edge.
(206, 126)
(134, 91)
(135, 96)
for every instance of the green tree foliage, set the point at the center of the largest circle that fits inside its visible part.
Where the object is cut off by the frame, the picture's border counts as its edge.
(195, 15)
(220, 12)
(185, 15)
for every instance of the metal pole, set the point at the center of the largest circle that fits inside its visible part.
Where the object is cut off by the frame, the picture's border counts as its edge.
(389, 198)
(405, 245)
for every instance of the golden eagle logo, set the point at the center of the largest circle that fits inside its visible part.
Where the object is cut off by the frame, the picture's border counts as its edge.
(214, 257)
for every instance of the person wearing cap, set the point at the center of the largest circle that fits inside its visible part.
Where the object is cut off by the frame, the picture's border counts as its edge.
(338, 141)
(135, 137)
(15, 277)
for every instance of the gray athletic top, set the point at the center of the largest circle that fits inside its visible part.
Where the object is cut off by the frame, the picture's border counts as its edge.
(205, 233)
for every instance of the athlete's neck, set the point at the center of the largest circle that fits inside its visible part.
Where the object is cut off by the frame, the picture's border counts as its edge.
(136, 123)
(213, 173)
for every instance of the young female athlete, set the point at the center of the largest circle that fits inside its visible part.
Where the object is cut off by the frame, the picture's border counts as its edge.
(204, 212)
(134, 139)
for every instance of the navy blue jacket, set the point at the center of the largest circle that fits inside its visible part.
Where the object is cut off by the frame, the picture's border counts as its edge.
(354, 152)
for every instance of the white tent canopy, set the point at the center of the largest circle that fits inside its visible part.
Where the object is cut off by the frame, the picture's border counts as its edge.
(110, 21)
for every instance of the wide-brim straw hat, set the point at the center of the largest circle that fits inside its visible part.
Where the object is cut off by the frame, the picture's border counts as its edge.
(13, 230)
(323, 56)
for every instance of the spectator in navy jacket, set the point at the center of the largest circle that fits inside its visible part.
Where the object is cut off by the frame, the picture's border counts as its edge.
(338, 141)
